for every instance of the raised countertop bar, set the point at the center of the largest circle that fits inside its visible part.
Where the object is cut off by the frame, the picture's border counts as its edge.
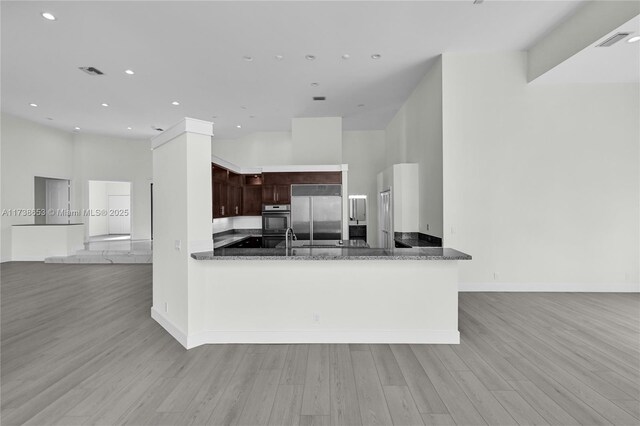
(430, 253)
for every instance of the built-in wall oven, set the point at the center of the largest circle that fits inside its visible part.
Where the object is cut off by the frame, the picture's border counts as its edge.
(276, 218)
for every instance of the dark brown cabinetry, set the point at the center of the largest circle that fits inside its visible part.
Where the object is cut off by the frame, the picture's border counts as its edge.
(276, 187)
(252, 195)
(243, 195)
(234, 194)
(226, 189)
(276, 194)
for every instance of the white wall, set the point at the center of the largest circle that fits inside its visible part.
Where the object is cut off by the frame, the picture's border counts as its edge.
(317, 140)
(414, 135)
(28, 150)
(255, 150)
(115, 159)
(541, 183)
(364, 152)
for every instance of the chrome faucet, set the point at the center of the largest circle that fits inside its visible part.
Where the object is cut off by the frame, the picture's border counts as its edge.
(289, 238)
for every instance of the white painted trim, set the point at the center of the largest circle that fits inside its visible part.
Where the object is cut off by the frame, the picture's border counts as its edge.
(30, 258)
(228, 165)
(277, 169)
(305, 168)
(171, 328)
(186, 125)
(325, 336)
(551, 287)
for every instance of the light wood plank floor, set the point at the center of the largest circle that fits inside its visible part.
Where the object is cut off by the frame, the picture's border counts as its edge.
(79, 347)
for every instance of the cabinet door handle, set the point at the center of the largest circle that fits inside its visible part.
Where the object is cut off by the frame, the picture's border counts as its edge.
(222, 210)
(236, 209)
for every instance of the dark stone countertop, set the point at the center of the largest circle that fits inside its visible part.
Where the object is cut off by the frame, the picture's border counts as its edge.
(431, 253)
(345, 243)
(226, 238)
(48, 224)
(415, 242)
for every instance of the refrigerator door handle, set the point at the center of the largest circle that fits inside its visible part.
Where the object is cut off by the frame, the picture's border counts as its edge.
(311, 222)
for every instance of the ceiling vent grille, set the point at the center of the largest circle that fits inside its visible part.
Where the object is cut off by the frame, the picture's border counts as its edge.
(613, 39)
(319, 98)
(91, 70)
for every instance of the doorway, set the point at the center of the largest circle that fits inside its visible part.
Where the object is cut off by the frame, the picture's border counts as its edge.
(53, 199)
(110, 206)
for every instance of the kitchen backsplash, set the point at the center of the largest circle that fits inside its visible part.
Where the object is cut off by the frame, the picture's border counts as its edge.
(237, 222)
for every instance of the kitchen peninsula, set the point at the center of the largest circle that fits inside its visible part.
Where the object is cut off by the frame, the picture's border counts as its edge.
(203, 295)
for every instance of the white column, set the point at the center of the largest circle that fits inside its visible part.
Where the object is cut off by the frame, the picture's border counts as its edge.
(181, 217)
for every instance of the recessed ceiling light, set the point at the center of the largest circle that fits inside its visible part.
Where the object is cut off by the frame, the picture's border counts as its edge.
(129, 128)
(130, 72)
(33, 105)
(279, 57)
(49, 118)
(310, 57)
(376, 56)
(315, 84)
(48, 16)
(252, 116)
(346, 56)
(105, 104)
(76, 128)
(247, 58)
(239, 126)
(243, 107)
(633, 39)
(360, 105)
(176, 103)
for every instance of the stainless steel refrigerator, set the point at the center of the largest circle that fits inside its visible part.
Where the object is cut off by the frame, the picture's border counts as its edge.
(316, 213)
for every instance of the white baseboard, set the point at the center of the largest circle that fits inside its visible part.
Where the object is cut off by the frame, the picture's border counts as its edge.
(446, 337)
(171, 328)
(551, 287)
(326, 336)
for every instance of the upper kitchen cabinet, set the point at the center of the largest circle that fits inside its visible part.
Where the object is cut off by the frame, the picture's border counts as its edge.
(252, 195)
(288, 178)
(276, 188)
(219, 189)
(227, 192)
(276, 194)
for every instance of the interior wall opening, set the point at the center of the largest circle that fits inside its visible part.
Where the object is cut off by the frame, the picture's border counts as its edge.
(110, 208)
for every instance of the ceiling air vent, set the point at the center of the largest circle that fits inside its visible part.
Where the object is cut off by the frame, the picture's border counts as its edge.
(319, 98)
(91, 70)
(613, 39)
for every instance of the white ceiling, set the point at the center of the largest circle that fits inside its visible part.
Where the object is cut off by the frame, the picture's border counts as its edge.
(193, 52)
(619, 63)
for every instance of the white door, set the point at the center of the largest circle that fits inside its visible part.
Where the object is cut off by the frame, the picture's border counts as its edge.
(57, 201)
(119, 214)
(385, 221)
